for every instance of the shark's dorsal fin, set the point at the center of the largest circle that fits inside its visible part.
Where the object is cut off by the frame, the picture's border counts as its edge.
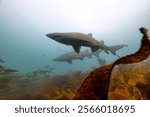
(76, 48)
(90, 34)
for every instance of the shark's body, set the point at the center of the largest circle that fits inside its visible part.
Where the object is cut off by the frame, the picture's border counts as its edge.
(76, 40)
(68, 57)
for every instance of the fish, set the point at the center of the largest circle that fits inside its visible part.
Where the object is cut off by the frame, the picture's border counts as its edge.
(5, 71)
(85, 53)
(1, 61)
(10, 70)
(70, 56)
(76, 40)
(115, 48)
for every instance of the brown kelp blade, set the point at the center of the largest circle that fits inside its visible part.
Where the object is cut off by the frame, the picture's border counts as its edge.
(96, 85)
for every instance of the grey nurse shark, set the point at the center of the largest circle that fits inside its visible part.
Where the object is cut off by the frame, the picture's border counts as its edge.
(76, 40)
(68, 57)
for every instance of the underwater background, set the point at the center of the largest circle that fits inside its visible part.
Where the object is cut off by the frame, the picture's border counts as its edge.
(24, 46)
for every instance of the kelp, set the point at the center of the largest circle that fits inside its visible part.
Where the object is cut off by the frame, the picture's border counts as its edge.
(96, 85)
(127, 78)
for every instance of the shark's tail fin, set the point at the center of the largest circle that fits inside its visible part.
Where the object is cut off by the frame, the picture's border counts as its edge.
(113, 49)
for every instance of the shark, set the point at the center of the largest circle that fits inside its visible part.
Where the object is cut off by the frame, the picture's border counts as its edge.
(76, 40)
(70, 56)
(113, 49)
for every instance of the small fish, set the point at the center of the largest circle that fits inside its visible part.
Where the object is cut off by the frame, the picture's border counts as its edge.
(10, 70)
(2, 61)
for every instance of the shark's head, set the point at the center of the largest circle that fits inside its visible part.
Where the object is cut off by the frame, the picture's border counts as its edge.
(61, 38)
(54, 36)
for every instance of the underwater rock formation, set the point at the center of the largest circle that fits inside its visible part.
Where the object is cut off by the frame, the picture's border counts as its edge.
(96, 85)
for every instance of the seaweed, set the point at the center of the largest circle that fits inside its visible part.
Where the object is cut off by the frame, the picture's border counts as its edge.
(96, 85)
(118, 80)
(29, 86)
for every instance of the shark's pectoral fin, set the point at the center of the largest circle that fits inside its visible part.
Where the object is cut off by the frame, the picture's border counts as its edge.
(69, 61)
(94, 48)
(76, 48)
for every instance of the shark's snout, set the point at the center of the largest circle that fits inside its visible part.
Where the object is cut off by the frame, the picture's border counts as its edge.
(53, 35)
(47, 35)
(50, 35)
